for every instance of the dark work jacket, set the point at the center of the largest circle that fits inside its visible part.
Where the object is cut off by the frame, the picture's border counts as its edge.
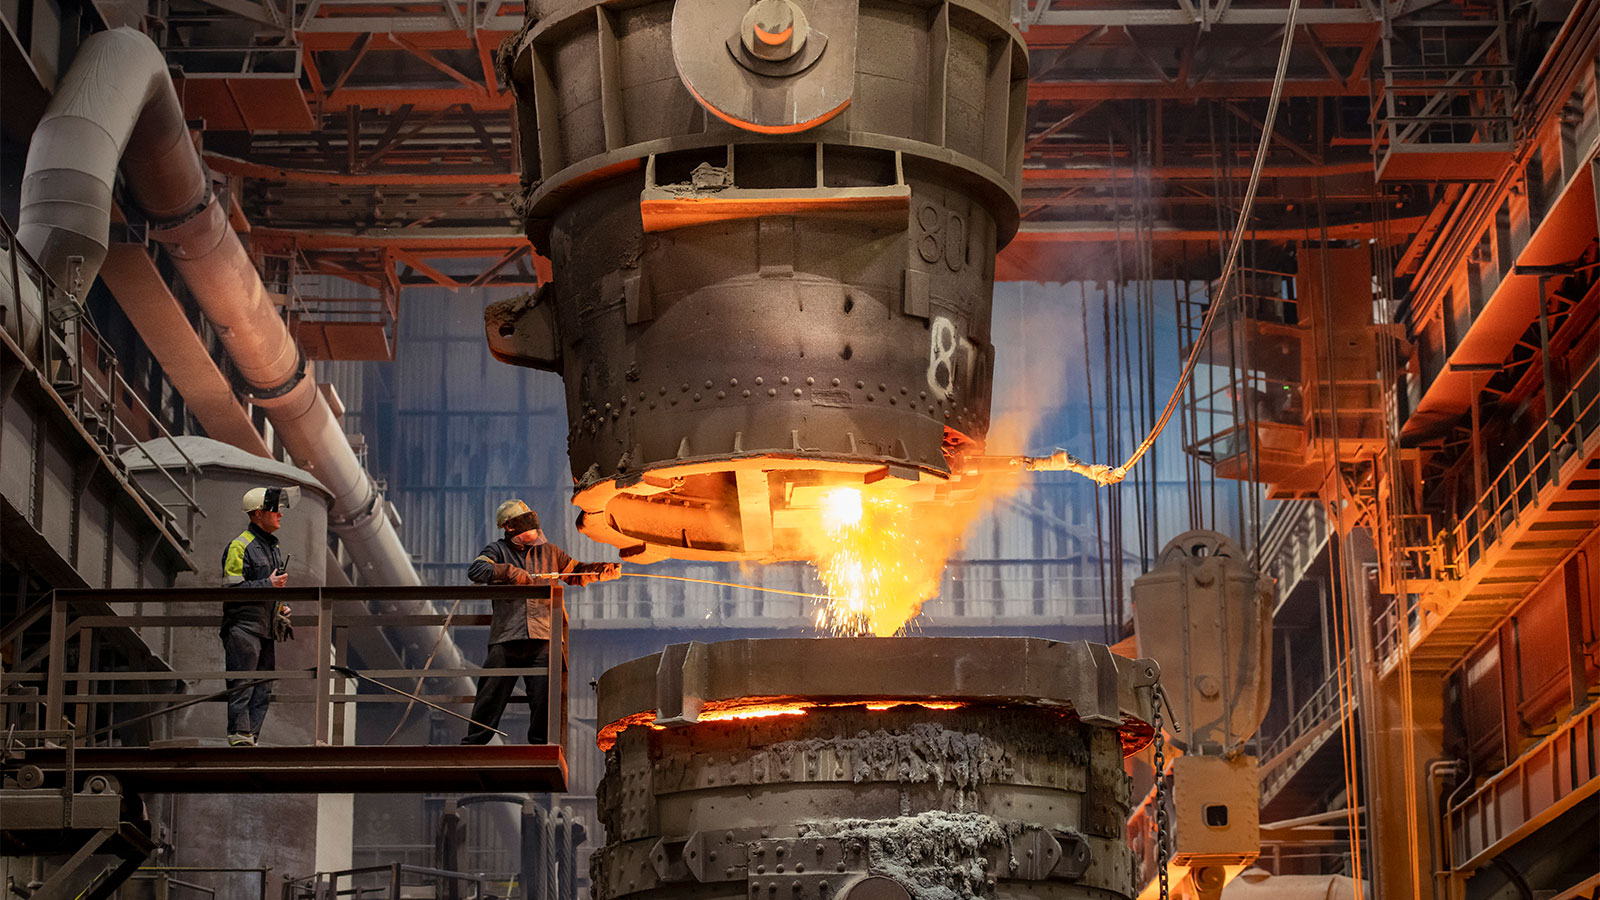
(516, 620)
(249, 562)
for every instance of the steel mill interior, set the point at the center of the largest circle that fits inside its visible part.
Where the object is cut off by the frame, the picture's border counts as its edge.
(800, 449)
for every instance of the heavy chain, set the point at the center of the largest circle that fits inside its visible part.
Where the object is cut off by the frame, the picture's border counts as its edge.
(1163, 843)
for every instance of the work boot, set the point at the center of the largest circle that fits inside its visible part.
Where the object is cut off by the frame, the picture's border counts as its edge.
(241, 739)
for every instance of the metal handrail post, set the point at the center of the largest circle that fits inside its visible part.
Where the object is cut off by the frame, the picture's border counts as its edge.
(324, 669)
(84, 717)
(341, 647)
(1550, 407)
(556, 682)
(56, 673)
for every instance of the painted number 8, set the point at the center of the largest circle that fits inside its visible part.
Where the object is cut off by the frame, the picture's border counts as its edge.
(942, 358)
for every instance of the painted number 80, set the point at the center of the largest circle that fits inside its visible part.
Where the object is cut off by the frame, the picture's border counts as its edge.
(944, 236)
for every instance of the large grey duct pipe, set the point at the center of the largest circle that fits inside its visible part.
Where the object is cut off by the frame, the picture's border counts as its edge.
(117, 103)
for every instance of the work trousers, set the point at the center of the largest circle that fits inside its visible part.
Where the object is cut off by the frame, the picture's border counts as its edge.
(246, 652)
(495, 690)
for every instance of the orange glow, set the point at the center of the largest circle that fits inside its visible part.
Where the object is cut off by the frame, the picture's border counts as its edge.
(877, 563)
(758, 708)
(1134, 734)
(768, 37)
(752, 712)
(767, 129)
(880, 548)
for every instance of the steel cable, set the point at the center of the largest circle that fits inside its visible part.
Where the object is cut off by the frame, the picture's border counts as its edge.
(1110, 475)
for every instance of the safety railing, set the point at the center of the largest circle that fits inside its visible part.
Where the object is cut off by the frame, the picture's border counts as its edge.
(1299, 856)
(1551, 777)
(1515, 493)
(110, 703)
(238, 60)
(1418, 547)
(1386, 625)
(1295, 535)
(1448, 88)
(388, 882)
(1254, 397)
(1535, 466)
(1021, 591)
(327, 322)
(1282, 754)
(84, 372)
(1250, 426)
(167, 882)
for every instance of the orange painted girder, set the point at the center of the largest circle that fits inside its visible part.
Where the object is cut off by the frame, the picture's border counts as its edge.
(1046, 37)
(1511, 308)
(317, 240)
(1075, 174)
(247, 169)
(1151, 90)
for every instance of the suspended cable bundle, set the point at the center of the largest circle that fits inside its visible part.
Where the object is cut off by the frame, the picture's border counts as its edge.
(1103, 474)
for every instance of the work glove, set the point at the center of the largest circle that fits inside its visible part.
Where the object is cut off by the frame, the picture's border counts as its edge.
(506, 573)
(282, 630)
(590, 573)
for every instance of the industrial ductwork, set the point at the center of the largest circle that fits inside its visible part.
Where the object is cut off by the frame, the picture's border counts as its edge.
(117, 105)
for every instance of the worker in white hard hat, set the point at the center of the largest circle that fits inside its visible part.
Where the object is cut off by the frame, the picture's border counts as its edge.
(251, 627)
(519, 634)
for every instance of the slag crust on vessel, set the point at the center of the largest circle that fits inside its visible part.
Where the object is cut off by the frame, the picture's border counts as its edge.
(869, 769)
(959, 803)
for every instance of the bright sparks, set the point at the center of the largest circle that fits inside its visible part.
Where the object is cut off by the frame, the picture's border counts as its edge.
(841, 508)
(877, 564)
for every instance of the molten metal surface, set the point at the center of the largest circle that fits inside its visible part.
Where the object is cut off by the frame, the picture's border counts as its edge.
(1133, 735)
(690, 683)
(755, 712)
(758, 708)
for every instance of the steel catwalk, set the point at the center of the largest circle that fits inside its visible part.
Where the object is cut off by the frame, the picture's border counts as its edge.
(444, 768)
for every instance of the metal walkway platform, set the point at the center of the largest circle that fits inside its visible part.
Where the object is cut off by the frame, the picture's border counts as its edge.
(115, 698)
(310, 770)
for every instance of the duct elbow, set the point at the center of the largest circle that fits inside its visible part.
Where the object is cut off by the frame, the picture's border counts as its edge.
(116, 105)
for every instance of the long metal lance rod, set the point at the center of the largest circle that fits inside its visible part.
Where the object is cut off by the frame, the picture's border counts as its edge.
(747, 587)
(342, 670)
(352, 673)
(177, 706)
(405, 714)
(731, 584)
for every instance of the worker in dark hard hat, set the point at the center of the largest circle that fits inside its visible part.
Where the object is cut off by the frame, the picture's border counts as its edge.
(519, 634)
(250, 627)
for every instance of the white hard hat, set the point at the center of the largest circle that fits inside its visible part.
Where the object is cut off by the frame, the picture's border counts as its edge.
(271, 499)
